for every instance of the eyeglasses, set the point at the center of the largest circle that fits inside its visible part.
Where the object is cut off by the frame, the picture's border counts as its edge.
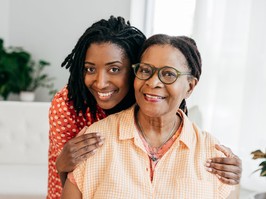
(166, 74)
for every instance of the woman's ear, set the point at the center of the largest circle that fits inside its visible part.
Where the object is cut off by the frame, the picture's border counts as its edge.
(192, 82)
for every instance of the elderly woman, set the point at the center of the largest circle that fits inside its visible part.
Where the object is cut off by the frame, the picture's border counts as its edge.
(153, 150)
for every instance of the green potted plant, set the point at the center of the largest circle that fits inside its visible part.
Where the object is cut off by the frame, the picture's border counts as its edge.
(258, 154)
(20, 74)
(13, 62)
(35, 78)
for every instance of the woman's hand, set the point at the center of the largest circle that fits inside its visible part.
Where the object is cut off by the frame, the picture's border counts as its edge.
(76, 150)
(228, 169)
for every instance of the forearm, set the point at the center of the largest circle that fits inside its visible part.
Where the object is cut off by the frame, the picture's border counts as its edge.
(61, 170)
(70, 191)
(63, 177)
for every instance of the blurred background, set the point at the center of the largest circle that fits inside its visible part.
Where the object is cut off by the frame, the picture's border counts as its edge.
(230, 34)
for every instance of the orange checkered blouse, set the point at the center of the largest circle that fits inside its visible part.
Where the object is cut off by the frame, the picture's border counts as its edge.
(121, 167)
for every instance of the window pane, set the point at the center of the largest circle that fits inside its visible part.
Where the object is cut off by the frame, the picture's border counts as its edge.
(174, 17)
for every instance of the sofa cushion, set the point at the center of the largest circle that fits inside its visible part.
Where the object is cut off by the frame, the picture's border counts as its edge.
(23, 148)
(23, 180)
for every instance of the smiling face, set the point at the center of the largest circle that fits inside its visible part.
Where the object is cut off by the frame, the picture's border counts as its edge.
(107, 73)
(154, 98)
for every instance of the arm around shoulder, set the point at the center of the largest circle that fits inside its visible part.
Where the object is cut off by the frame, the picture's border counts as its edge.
(70, 191)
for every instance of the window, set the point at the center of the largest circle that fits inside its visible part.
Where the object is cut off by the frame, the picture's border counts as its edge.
(173, 17)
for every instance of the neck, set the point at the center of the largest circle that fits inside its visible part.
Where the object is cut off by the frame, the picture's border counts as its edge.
(157, 131)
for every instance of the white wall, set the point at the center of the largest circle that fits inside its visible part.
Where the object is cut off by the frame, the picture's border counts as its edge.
(49, 29)
(4, 16)
(252, 131)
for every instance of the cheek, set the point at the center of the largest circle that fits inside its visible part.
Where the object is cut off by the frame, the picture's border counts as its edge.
(88, 81)
(123, 81)
(137, 85)
(179, 92)
(137, 90)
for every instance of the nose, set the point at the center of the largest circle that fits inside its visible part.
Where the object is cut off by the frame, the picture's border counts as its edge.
(154, 80)
(101, 80)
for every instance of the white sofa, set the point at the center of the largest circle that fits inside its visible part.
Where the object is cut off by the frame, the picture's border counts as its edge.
(23, 149)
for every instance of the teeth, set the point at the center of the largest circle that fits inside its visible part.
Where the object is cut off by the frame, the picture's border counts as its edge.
(105, 94)
(153, 97)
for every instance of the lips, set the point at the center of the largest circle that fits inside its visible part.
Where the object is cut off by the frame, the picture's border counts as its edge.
(106, 94)
(154, 96)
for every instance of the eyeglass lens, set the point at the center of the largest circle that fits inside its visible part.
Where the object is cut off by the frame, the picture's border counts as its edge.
(166, 74)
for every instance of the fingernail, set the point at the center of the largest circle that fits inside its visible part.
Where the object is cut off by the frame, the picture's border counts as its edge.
(209, 160)
(102, 138)
(207, 164)
(100, 143)
(218, 176)
(208, 169)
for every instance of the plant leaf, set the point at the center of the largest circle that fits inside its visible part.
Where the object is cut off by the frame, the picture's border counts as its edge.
(263, 164)
(263, 171)
(258, 154)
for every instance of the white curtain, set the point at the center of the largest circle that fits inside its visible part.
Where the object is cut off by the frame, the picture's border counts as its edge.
(231, 35)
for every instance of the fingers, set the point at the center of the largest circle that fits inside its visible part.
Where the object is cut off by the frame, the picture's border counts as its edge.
(225, 177)
(223, 165)
(228, 170)
(88, 146)
(226, 160)
(90, 151)
(82, 131)
(228, 181)
(78, 149)
(230, 159)
(88, 143)
(83, 137)
(225, 150)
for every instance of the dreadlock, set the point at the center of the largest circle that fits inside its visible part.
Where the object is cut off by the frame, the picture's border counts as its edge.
(188, 48)
(114, 30)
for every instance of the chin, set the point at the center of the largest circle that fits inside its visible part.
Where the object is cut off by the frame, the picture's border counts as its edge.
(152, 112)
(106, 106)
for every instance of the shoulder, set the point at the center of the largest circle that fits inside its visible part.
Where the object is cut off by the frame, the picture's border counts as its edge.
(61, 96)
(206, 136)
(206, 141)
(61, 105)
(197, 132)
(195, 136)
(112, 122)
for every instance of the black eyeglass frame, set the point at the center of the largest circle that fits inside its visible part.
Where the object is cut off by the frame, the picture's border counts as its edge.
(154, 69)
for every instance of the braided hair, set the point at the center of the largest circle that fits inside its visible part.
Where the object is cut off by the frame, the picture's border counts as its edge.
(114, 30)
(188, 48)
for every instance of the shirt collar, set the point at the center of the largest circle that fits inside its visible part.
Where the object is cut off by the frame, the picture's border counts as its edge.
(187, 135)
(127, 128)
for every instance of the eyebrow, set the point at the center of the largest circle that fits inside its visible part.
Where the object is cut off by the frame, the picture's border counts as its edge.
(108, 63)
